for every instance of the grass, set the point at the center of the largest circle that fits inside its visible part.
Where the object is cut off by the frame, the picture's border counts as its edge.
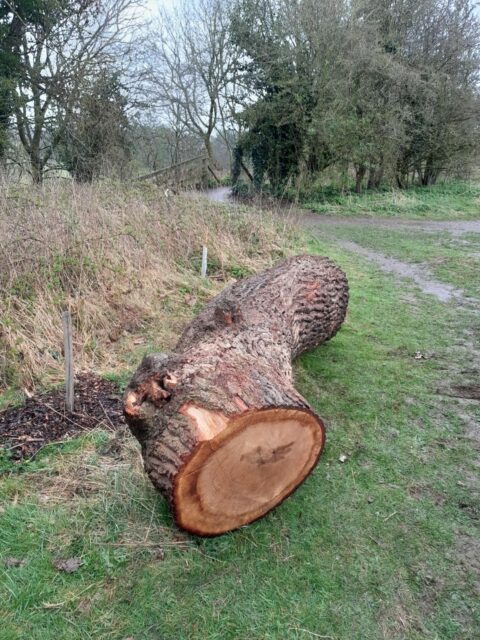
(383, 546)
(125, 260)
(454, 200)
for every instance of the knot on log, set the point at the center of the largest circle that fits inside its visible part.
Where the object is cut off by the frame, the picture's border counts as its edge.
(152, 383)
(227, 314)
(152, 390)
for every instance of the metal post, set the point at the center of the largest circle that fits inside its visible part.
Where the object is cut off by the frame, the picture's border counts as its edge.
(67, 345)
(204, 261)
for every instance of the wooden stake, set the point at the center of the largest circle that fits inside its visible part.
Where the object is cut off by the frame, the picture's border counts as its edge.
(204, 261)
(67, 342)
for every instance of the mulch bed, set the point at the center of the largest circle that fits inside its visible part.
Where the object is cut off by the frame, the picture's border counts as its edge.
(43, 419)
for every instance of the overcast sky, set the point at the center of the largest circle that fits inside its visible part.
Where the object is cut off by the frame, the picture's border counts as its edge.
(152, 5)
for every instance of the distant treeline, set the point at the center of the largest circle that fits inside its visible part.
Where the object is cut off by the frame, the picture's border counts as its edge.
(287, 91)
(387, 88)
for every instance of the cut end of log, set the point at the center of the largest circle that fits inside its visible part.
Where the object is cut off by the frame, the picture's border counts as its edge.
(244, 466)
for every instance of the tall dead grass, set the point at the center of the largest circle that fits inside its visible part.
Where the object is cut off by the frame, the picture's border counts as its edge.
(124, 260)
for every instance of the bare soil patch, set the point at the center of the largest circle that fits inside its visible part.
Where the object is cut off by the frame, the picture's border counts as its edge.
(469, 392)
(44, 419)
(468, 551)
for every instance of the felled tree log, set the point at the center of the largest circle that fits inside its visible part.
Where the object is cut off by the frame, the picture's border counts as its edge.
(224, 434)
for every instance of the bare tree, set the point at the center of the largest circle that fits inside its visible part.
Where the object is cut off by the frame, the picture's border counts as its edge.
(57, 53)
(192, 67)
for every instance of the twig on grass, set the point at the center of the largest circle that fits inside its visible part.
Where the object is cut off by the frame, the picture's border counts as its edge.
(57, 605)
(49, 406)
(390, 516)
(52, 442)
(107, 416)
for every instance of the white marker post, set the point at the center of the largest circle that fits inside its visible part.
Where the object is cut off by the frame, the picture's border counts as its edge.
(204, 261)
(67, 346)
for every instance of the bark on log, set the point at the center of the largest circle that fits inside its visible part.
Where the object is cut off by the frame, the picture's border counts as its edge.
(224, 434)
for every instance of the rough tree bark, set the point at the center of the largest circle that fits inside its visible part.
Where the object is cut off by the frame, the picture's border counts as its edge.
(225, 436)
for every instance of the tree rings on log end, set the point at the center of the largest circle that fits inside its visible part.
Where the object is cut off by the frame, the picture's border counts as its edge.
(246, 469)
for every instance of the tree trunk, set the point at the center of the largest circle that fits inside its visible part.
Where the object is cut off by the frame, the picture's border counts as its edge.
(375, 177)
(225, 436)
(208, 146)
(430, 174)
(360, 171)
(36, 169)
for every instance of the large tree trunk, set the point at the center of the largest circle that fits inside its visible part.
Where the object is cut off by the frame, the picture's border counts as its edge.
(225, 436)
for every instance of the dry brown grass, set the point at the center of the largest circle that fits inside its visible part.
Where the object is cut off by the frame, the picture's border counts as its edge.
(125, 260)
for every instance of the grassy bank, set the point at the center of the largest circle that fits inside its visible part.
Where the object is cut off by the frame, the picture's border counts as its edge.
(453, 200)
(382, 546)
(124, 260)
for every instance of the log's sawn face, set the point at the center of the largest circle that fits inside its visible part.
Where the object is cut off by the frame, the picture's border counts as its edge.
(224, 434)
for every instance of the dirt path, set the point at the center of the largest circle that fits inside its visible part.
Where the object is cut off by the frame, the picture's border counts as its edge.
(310, 219)
(219, 194)
(454, 227)
(419, 274)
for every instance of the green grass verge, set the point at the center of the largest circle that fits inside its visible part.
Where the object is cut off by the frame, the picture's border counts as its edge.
(446, 201)
(376, 547)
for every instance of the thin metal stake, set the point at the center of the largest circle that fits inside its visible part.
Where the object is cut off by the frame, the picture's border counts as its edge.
(204, 261)
(67, 346)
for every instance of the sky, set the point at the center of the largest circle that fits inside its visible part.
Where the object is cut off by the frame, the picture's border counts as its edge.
(152, 5)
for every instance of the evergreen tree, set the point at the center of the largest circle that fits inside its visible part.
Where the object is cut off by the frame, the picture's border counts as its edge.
(97, 141)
